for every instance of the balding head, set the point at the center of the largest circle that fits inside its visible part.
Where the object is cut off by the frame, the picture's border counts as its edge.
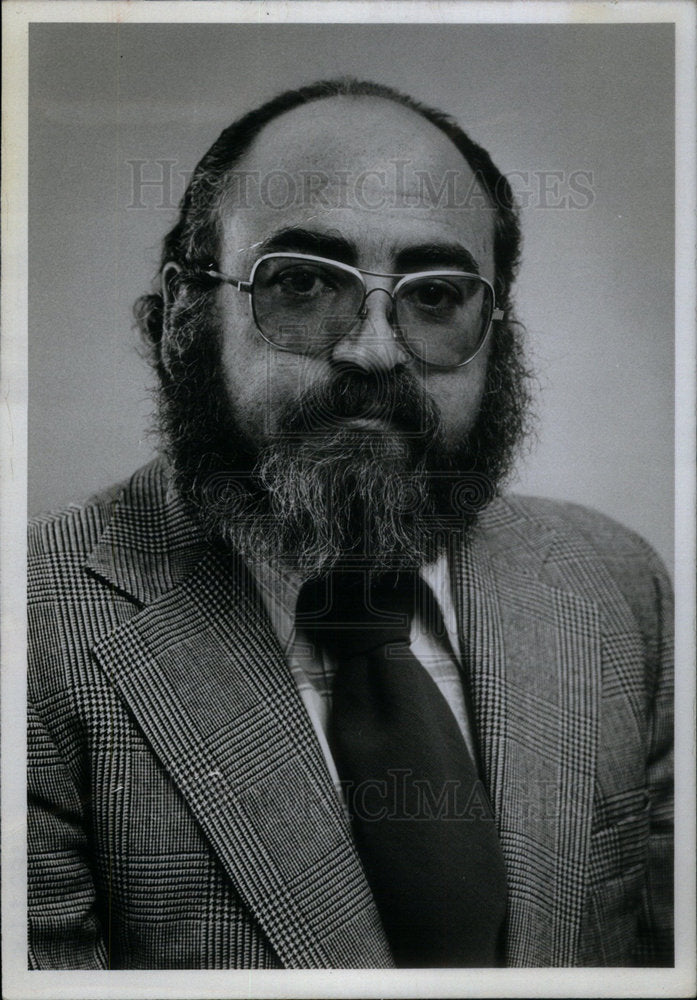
(195, 239)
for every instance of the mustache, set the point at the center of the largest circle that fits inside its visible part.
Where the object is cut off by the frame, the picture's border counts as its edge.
(394, 397)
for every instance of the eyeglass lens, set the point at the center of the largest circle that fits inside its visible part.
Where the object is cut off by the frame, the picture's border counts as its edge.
(305, 306)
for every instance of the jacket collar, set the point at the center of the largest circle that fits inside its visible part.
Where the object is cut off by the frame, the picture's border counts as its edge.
(150, 542)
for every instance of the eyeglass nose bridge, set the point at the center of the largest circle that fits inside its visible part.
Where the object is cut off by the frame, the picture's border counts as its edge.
(363, 311)
(391, 316)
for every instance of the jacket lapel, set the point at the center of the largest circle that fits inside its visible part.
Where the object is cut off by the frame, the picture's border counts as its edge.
(532, 652)
(204, 677)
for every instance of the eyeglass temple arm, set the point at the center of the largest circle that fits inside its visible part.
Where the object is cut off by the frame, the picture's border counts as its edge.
(243, 286)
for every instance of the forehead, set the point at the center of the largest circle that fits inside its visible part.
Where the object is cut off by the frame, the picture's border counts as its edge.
(373, 172)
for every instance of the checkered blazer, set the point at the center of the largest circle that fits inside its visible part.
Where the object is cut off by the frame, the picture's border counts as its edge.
(181, 812)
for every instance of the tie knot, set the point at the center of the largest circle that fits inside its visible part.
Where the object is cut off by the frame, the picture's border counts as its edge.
(355, 611)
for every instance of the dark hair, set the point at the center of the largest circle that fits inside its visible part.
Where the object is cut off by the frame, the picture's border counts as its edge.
(194, 240)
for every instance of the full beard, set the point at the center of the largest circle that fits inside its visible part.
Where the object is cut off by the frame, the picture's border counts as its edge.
(358, 471)
(344, 497)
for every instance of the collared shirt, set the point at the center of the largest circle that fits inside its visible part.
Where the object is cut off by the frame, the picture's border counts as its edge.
(313, 670)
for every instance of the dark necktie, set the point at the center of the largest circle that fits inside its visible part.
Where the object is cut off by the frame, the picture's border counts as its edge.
(421, 819)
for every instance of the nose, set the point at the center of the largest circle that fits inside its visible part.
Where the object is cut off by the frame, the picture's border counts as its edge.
(371, 343)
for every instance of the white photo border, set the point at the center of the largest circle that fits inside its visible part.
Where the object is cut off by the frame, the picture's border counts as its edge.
(18, 981)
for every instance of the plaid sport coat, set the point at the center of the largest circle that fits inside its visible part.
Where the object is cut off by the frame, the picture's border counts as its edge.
(181, 813)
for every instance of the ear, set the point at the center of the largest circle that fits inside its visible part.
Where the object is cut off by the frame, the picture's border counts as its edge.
(169, 273)
(168, 277)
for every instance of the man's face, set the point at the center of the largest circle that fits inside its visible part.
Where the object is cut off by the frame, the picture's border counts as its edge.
(359, 450)
(371, 183)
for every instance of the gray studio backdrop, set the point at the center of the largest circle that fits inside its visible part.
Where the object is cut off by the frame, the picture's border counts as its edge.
(580, 117)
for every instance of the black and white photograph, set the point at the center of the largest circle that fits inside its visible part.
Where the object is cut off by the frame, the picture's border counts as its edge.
(348, 367)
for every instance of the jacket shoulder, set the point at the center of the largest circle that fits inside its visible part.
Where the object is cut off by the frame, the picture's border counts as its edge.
(69, 607)
(586, 530)
(580, 550)
(78, 527)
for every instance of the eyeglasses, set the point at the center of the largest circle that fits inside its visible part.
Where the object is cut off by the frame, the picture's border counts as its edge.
(306, 304)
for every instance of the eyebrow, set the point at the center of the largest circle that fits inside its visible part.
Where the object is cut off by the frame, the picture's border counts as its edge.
(419, 257)
(424, 256)
(297, 240)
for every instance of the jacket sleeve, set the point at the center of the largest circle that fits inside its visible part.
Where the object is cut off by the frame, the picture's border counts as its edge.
(64, 930)
(655, 941)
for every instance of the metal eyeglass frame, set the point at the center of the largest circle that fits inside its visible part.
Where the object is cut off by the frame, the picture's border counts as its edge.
(358, 272)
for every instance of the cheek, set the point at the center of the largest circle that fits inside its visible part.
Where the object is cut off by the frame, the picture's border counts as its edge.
(244, 367)
(263, 382)
(458, 396)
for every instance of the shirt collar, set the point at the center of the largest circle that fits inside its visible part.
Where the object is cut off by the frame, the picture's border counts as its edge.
(279, 587)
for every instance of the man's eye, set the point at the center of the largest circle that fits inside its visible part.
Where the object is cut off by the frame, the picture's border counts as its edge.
(305, 282)
(435, 296)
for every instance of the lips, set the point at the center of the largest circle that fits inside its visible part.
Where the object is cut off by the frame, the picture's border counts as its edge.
(368, 409)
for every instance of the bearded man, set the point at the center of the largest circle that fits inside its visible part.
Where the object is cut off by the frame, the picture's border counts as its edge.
(309, 691)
